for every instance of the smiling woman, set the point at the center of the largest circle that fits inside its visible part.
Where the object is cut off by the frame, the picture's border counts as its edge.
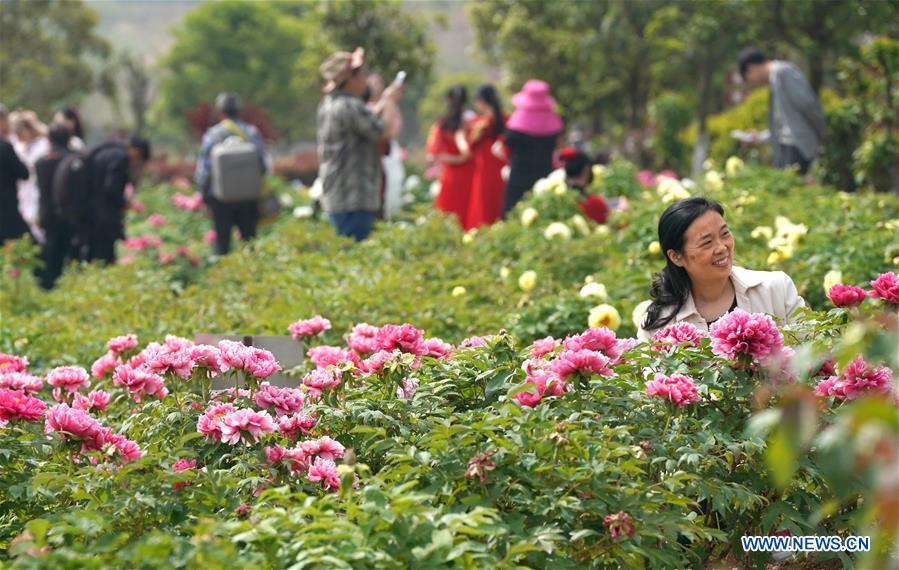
(700, 283)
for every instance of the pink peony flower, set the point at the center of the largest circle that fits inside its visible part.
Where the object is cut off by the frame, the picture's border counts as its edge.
(475, 341)
(292, 426)
(140, 381)
(582, 361)
(285, 400)
(69, 378)
(210, 236)
(544, 346)
(21, 381)
(363, 338)
(243, 425)
(886, 287)
(619, 525)
(779, 365)
(374, 363)
(858, 379)
(137, 206)
(157, 220)
(546, 385)
(324, 356)
(98, 399)
(187, 203)
(321, 379)
(184, 464)
(480, 465)
(104, 365)
(10, 363)
(260, 363)
(309, 327)
(18, 405)
(141, 243)
(673, 335)
(233, 353)
(405, 338)
(437, 348)
(76, 424)
(122, 343)
(166, 257)
(324, 447)
(324, 471)
(171, 360)
(739, 333)
(295, 459)
(646, 178)
(601, 340)
(128, 449)
(846, 295)
(209, 358)
(677, 388)
(210, 423)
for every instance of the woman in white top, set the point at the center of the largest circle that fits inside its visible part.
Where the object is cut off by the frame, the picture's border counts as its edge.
(700, 283)
(31, 144)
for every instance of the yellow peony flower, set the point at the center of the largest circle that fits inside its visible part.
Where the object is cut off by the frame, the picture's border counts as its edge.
(557, 230)
(542, 186)
(528, 280)
(602, 230)
(598, 172)
(733, 165)
(892, 224)
(775, 257)
(597, 290)
(654, 248)
(458, 291)
(580, 224)
(833, 277)
(560, 189)
(468, 238)
(589, 279)
(504, 273)
(604, 316)
(762, 232)
(708, 164)
(714, 181)
(529, 216)
(557, 175)
(640, 312)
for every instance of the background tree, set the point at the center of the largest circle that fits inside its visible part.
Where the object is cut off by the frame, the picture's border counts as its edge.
(49, 50)
(138, 84)
(247, 47)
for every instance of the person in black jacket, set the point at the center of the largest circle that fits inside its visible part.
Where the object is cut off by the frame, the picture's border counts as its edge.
(113, 165)
(59, 232)
(12, 169)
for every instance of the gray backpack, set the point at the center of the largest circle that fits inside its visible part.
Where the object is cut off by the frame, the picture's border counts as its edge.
(236, 173)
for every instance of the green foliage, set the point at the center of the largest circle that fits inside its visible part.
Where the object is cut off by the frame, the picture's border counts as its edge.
(671, 115)
(48, 52)
(229, 45)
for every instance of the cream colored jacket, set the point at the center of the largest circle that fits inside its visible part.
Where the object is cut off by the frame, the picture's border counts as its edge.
(770, 292)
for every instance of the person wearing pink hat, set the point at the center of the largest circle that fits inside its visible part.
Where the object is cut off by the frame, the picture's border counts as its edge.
(530, 139)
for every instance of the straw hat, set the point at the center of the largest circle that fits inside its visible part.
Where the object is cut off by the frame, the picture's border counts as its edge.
(338, 68)
(535, 110)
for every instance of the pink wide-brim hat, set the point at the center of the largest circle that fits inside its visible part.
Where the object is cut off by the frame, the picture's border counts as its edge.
(535, 112)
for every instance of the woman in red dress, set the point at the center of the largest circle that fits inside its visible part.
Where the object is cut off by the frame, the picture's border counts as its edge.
(448, 146)
(488, 186)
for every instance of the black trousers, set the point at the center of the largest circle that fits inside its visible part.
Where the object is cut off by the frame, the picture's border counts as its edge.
(57, 250)
(244, 215)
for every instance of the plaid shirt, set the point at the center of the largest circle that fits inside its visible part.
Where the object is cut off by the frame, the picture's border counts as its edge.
(348, 135)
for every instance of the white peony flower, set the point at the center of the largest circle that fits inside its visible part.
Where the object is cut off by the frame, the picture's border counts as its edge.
(557, 230)
(529, 216)
(597, 290)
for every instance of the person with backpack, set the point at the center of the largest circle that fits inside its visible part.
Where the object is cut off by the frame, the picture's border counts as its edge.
(12, 169)
(58, 232)
(230, 167)
(89, 193)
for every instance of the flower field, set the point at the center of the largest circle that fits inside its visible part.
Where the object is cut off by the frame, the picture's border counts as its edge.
(465, 400)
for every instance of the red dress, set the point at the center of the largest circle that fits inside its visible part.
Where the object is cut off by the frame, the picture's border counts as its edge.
(455, 179)
(488, 187)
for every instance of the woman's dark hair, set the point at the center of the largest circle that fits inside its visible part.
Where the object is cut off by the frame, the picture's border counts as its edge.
(487, 93)
(575, 162)
(59, 135)
(671, 285)
(71, 113)
(456, 98)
